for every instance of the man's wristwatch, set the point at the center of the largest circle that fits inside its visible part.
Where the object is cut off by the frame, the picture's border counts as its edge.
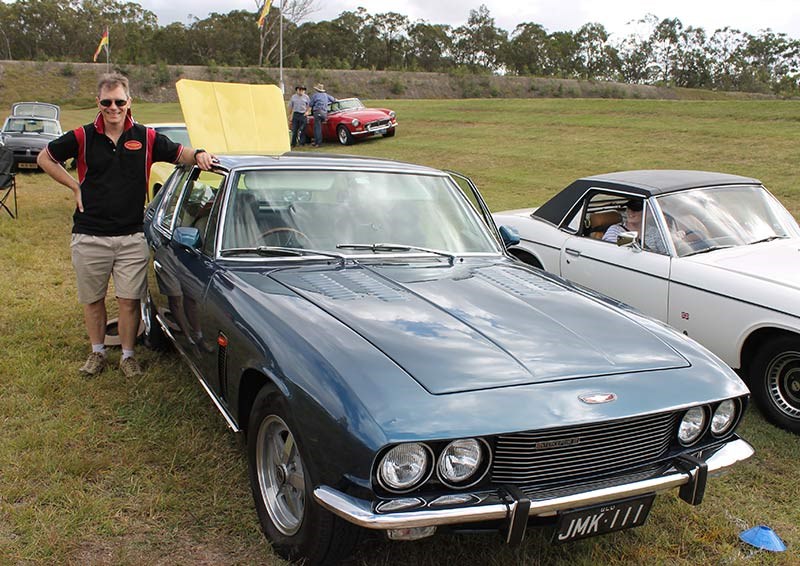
(197, 152)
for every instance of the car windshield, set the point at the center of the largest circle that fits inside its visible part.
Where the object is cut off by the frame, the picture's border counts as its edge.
(178, 134)
(703, 220)
(320, 210)
(347, 104)
(31, 126)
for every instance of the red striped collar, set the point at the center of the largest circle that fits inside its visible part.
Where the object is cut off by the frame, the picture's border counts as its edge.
(100, 125)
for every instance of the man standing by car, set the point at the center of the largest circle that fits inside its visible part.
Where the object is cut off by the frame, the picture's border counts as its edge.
(113, 156)
(299, 108)
(319, 108)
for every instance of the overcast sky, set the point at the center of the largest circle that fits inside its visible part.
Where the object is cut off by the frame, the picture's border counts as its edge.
(554, 15)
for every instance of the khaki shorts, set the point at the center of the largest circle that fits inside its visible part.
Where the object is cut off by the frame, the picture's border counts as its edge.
(97, 258)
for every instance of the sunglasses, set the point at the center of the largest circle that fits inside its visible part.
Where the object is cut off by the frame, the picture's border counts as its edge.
(107, 102)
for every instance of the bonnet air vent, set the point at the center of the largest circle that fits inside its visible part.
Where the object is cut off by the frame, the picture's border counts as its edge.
(519, 282)
(352, 285)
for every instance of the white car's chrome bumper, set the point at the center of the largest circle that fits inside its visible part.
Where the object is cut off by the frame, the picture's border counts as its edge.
(361, 512)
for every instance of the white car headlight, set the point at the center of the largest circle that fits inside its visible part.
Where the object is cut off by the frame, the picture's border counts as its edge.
(392, 114)
(405, 466)
(460, 460)
(355, 123)
(692, 425)
(723, 418)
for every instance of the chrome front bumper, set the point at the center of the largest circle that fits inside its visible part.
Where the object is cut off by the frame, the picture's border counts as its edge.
(377, 130)
(495, 506)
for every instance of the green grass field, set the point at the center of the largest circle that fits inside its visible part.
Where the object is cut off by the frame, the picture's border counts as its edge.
(109, 471)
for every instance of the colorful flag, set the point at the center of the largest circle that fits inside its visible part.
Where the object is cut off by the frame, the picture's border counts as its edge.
(262, 17)
(103, 43)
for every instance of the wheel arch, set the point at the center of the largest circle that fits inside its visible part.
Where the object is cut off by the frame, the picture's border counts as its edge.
(527, 257)
(251, 382)
(755, 340)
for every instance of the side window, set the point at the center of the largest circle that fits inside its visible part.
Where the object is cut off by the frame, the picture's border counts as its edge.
(653, 239)
(603, 210)
(173, 192)
(199, 197)
(210, 237)
(469, 190)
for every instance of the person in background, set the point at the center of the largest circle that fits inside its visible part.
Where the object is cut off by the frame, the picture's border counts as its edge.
(319, 109)
(299, 107)
(113, 155)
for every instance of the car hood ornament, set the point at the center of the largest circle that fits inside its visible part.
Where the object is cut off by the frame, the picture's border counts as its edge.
(598, 398)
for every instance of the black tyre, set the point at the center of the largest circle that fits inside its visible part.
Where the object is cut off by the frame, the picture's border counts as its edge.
(344, 136)
(297, 526)
(389, 133)
(153, 337)
(775, 382)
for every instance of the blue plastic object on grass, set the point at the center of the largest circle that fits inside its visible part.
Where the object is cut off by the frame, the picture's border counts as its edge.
(763, 537)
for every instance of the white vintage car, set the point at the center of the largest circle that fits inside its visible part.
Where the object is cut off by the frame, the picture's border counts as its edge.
(714, 255)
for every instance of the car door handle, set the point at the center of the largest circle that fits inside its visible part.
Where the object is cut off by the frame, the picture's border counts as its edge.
(572, 252)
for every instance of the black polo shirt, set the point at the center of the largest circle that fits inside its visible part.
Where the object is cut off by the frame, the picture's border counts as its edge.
(113, 178)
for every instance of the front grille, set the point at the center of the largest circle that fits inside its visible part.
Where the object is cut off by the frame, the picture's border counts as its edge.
(377, 124)
(575, 457)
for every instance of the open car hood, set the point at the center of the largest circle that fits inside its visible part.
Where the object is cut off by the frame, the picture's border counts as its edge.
(229, 118)
(467, 328)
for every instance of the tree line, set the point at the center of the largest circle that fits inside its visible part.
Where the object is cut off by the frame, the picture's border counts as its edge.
(657, 51)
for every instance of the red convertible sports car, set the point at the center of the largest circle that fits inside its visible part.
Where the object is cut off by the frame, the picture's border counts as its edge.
(349, 119)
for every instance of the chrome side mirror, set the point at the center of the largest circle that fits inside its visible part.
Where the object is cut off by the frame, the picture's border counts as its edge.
(628, 239)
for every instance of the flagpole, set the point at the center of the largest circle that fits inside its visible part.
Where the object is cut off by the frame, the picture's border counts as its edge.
(280, 48)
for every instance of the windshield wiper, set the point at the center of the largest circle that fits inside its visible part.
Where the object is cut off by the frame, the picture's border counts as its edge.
(272, 251)
(395, 248)
(767, 239)
(709, 249)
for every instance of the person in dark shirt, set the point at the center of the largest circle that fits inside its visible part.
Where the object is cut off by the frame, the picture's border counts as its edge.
(319, 103)
(113, 156)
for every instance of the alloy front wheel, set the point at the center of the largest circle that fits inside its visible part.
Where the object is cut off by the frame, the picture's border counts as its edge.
(775, 382)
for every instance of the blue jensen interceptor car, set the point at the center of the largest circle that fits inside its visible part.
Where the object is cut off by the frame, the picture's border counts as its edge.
(392, 368)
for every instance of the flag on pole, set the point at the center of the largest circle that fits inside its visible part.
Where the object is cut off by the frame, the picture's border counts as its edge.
(103, 43)
(262, 17)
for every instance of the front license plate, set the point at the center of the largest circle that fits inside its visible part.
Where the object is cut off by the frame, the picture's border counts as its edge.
(27, 165)
(601, 519)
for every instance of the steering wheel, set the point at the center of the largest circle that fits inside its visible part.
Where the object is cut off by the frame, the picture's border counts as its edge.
(284, 237)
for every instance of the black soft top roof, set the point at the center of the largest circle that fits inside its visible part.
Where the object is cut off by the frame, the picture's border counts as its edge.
(645, 183)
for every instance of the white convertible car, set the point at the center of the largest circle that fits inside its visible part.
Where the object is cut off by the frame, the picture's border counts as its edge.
(714, 255)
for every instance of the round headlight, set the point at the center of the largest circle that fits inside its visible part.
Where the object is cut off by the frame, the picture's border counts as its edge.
(460, 460)
(692, 425)
(723, 418)
(404, 466)
(392, 114)
(355, 122)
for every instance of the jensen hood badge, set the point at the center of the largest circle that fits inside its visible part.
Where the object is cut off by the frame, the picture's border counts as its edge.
(598, 398)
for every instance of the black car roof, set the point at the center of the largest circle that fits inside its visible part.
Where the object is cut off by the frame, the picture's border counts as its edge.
(645, 183)
(322, 161)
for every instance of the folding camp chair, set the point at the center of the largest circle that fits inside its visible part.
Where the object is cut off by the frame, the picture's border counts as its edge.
(8, 181)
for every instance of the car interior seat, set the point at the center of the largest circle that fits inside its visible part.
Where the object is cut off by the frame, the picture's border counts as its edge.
(599, 222)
